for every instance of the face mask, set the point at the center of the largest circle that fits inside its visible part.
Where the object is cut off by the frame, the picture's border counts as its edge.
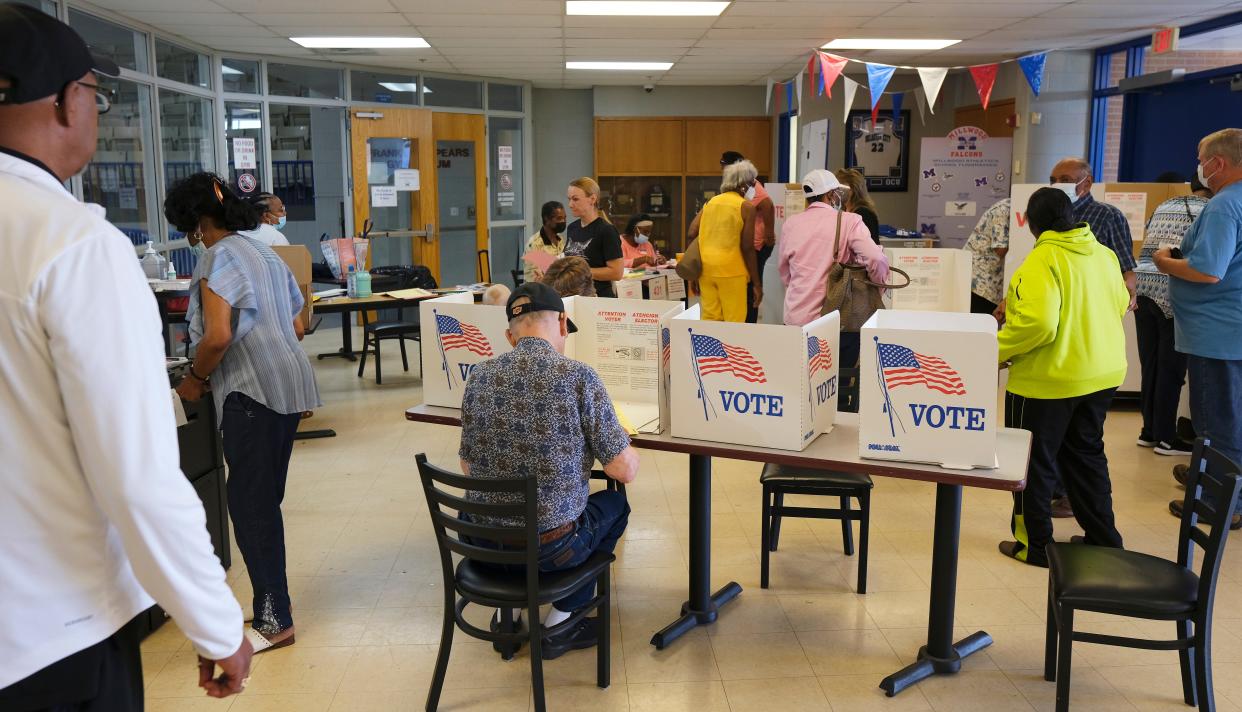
(1204, 178)
(559, 227)
(641, 238)
(198, 250)
(1070, 189)
(750, 193)
(280, 223)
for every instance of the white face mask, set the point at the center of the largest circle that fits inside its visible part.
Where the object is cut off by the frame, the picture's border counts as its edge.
(1070, 189)
(1204, 178)
(750, 193)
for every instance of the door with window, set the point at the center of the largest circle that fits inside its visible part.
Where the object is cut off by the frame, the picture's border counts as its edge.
(461, 183)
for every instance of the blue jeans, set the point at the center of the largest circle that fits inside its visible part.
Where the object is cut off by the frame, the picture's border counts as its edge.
(1215, 402)
(598, 528)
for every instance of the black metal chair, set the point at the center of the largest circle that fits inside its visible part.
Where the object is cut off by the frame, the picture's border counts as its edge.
(780, 480)
(483, 576)
(1127, 583)
(400, 328)
(518, 277)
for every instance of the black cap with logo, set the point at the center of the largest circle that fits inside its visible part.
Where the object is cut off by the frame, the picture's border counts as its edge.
(39, 55)
(537, 297)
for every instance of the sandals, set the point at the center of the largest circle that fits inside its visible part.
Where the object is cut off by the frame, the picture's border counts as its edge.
(260, 643)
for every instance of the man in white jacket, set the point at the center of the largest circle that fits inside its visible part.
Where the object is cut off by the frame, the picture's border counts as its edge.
(97, 522)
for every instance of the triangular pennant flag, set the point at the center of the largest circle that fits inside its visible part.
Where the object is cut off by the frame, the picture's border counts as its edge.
(1033, 68)
(767, 98)
(897, 101)
(798, 88)
(921, 100)
(984, 76)
(849, 86)
(933, 79)
(830, 67)
(877, 78)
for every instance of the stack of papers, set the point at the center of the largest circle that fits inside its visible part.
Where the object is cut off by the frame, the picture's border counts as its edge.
(638, 417)
(414, 293)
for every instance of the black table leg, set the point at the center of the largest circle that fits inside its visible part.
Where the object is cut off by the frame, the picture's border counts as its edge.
(703, 604)
(941, 655)
(347, 341)
(163, 307)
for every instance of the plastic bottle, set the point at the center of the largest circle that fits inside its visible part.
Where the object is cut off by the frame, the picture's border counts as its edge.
(362, 284)
(171, 274)
(152, 263)
(351, 283)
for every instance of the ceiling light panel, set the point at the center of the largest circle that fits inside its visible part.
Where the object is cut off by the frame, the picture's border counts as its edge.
(361, 42)
(621, 66)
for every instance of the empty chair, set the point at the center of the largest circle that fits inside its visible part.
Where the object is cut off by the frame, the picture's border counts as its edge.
(1126, 583)
(490, 577)
(402, 328)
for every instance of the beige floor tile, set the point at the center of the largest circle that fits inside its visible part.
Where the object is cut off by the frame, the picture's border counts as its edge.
(167, 638)
(416, 625)
(391, 668)
(750, 614)
(1152, 688)
(688, 659)
(571, 698)
(792, 693)
(202, 703)
(152, 662)
(678, 697)
(973, 691)
(833, 611)
(300, 701)
(179, 677)
(297, 669)
(862, 693)
(368, 701)
(1089, 691)
(330, 627)
(848, 652)
(649, 553)
(897, 609)
(760, 655)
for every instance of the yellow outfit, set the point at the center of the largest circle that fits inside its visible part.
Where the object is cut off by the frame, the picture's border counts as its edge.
(723, 284)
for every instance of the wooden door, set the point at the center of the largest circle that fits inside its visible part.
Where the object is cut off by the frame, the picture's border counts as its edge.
(461, 137)
(994, 121)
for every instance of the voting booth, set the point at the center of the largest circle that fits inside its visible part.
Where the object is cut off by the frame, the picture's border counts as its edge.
(928, 388)
(939, 279)
(642, 285)
(457, 335)
(765, 385)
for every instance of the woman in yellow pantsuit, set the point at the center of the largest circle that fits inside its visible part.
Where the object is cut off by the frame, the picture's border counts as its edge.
(725, 229)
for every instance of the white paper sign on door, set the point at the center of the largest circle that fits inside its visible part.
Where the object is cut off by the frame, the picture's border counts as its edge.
(383, 196)
(244, 155)
(405, 179)
(504, 157)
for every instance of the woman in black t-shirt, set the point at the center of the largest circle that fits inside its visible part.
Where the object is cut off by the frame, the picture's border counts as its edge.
(593, 237)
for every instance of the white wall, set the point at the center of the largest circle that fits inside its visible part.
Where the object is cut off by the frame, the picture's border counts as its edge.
(679, 101)
(1065, 106)
(564, 142)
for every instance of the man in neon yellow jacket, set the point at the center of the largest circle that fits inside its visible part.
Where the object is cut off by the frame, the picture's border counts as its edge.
(1063, 337)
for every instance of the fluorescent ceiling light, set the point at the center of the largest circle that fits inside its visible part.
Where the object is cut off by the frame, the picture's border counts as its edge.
(361, 42)
(647, 8)
(400, 86)
(621, 66)
(889, 44)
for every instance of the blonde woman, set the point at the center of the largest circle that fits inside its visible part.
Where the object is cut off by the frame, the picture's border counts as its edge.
(857, 200)
(725, 229)
(593, 237)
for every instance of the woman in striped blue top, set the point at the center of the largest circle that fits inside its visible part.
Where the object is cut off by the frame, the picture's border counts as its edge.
(245, 324)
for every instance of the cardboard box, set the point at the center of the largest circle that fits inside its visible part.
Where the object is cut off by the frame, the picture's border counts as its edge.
(928, 383)
(939, 279)
(765, 385)
(676, 286)
(457, 335)
(298, 258)
(647, 286)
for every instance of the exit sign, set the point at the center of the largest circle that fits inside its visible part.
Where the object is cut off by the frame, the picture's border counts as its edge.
(1164, 40)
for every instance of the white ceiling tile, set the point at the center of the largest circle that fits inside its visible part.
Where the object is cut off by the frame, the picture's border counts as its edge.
(943, 27)
(691, 23)
(821, 26)
(128, 6)
(641, 43)
(204, 34)
(307, 6)
(514, 21)
(513, 44)
(807, 8)
(959, 9)
(487, 32)
(330, 20)
(481, 7)
(632, 32)
(159, 18)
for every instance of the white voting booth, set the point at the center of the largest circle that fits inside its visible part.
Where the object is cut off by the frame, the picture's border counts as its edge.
(642, 285)
(753, 384)
(927, 385)
(619, 338)
(939, 279)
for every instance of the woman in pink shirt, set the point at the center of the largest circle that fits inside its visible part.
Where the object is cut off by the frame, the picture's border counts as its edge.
(805, 253)
(636, 247)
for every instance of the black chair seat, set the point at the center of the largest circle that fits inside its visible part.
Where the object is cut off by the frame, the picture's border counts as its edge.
(808, 477)
(392, 328)
(1108, 580)
(489, 582)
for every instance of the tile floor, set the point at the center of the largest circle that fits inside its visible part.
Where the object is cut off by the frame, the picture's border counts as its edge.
(366, 588)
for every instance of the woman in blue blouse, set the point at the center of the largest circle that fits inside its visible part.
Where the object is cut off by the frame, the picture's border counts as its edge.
(245, 324)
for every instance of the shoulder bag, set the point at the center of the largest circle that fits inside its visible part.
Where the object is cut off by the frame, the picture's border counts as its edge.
(850, 292)
(690, 266)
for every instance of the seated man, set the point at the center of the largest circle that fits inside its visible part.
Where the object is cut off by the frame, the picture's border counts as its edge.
(535, 413)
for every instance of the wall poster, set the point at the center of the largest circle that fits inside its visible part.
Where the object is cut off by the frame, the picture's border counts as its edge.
(960, 176)
(881, 152)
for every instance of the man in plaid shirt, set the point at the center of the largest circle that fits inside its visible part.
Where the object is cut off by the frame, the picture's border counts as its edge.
(1107, 222)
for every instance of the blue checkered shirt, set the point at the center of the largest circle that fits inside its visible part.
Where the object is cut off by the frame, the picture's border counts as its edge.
(1109, 227)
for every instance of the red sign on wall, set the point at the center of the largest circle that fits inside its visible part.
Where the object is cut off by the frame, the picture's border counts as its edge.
(1164, 40)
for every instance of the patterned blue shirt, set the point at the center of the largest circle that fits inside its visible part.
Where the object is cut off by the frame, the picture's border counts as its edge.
(535, 413)
(1110, 228)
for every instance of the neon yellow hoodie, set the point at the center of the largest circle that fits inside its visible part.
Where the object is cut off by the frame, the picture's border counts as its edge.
(1063, 314)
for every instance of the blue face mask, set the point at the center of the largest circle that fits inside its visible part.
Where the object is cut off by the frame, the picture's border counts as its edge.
(280, 223)
(198, 250)
(641, 239)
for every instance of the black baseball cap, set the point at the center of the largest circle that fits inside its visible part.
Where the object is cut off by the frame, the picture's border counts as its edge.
(540, 297)
(39, 55)
(728, 158)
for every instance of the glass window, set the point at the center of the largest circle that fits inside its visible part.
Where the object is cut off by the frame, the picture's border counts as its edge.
(507, 164)
(186, 135)
(308, 82)
(240, 75)
(438, 91)
(46, 6)
(120, 44)
(384, 88)
(243, 140)
(182, 65)
(308, 170)
(504, 97)
(121, 176)
(1198, 53)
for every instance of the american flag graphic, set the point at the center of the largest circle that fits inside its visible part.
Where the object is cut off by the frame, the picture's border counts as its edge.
(715, 356)
(903, 367)
(818, 354)
(455, 334)
(665, 346)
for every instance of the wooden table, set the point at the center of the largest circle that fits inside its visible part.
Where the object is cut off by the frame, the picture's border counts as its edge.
(345, 306)
(838, 451)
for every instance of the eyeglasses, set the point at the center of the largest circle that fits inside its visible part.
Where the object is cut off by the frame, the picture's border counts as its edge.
(103, 97)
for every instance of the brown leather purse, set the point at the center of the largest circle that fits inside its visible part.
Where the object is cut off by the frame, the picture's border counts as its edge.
(850, 292)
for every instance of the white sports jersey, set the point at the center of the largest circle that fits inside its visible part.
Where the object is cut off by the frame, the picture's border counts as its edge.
(878, 152)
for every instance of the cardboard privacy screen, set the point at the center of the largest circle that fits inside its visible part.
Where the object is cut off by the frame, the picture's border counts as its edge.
(753, 384)
(939, 279)
(927, 388)
(457, 335)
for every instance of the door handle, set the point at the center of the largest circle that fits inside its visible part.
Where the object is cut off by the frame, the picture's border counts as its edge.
(429, 232)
